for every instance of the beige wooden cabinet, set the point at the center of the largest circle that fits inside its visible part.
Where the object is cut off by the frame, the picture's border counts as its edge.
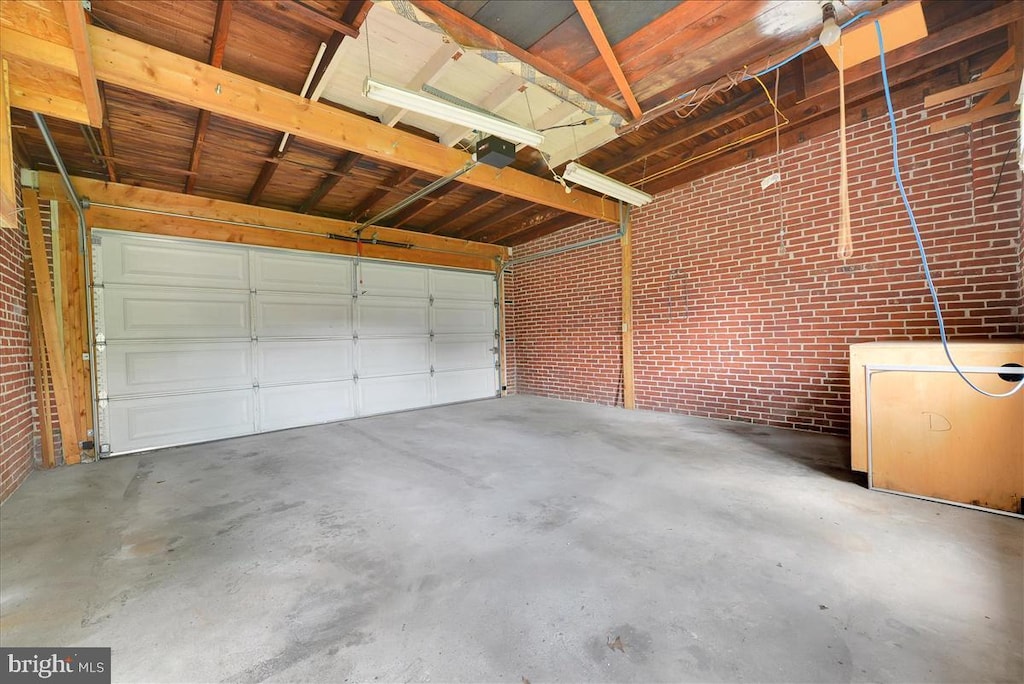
(932, 435)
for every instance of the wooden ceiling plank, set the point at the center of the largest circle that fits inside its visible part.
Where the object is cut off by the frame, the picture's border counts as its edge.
(77, 23)
(586, 13)
(442, 57)
(481, 200)
(467, 30)
(558, 223)
(483, 227)
(972, 88)
(526, 225)
(137, 66)
(404, 216)
(107, 139)
(218, 44)
(393, 182)
(966, 30)
(317, 17)
(148, 199)
(344, 165)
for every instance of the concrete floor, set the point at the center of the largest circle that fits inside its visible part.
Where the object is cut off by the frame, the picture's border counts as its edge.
(522, 539)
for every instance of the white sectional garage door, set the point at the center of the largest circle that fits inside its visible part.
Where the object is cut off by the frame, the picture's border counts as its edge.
(202, 341)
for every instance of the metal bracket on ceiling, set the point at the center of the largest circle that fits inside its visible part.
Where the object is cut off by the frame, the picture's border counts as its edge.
(87, 5)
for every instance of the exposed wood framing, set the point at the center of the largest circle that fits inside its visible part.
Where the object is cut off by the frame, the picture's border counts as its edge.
(492, 102)
(107, 141)
(138, 66)
(77, 23)
(976, 114)
(73, 312)
(343, 166)
(40, 372)
(972, 88)
(392, 183)
(222, 213)
(483, 229)
(54, 350)
(586, 13)
(315, 16)
(973, 27)
(468, 31)
(218, 43)
(481, 200)
(628, 384)
(8, 189)
(414, 209)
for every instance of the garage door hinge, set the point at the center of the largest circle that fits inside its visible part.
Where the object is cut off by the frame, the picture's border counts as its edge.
(355, 376)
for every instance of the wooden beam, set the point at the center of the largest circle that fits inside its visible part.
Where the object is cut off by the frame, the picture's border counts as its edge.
(40, 372)
(392, 183)
(628, 383)
(492, 102)
(107, 141)
(973, 116)
(135, 65)
(315, 16)
(218, 44)
(211, 210)
(8, 186)
(73, 312)
(467, 31)
(526, 225)
(586, 12)
(38, 88)
(77, 23)
(481, 200)
(51, 336)
(483, 229)
(187, 227)
(342, 167)
(414, 209)
(972, 88)
(31, 48)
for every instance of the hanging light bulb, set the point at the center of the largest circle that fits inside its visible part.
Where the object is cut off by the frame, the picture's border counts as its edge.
(830, 30)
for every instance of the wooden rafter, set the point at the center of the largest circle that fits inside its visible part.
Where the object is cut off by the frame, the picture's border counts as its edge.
(481, 200)
(586, 12)
(218, 44)
(107, 140)
(393, 182)
(442, 57)
(77, 23)
(482, 229)
(315, 16)
(467, 31)
(137, 66)
(493, 101)
(8, 187)
(343, 166)
(405, 215)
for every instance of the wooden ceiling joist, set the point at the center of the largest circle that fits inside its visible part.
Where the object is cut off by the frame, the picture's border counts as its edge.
(218, 44)
(135, 65)
(469, 32)
(394, 182)
(586, 12)
(312, 14)
(343, 166)
(405, 215)
(478, 202)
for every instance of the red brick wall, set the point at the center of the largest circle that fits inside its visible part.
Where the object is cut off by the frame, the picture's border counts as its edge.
(17, 396)
(732, 322)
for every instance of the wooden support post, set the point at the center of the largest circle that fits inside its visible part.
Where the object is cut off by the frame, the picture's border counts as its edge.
(502, 352)
(39, 370)
(8, 201)
(628, 386)
(51, 338)
(74, 317)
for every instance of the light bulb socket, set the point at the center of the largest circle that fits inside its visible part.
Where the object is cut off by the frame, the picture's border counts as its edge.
(830, 30)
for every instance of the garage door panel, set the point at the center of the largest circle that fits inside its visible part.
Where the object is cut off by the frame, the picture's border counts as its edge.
(151, 261)
(464, 385)
(383, 316)
(135, 368)
(462, 317)
(149, 422)
(283, 272)
(137, 313)
(396, 393)
(393, 280)
(290, 361)
(393, 356)
(458, 352)
(462, 285)
(303, 315)
(294, 405)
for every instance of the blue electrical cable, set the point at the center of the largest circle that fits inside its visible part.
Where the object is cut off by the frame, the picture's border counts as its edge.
(917, 233)
(807, 49)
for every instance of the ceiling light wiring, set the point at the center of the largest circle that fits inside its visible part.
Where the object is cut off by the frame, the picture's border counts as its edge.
(917, 233)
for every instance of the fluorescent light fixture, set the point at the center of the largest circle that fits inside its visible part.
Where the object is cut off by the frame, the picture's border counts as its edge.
(452, 113)
(601, 183)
